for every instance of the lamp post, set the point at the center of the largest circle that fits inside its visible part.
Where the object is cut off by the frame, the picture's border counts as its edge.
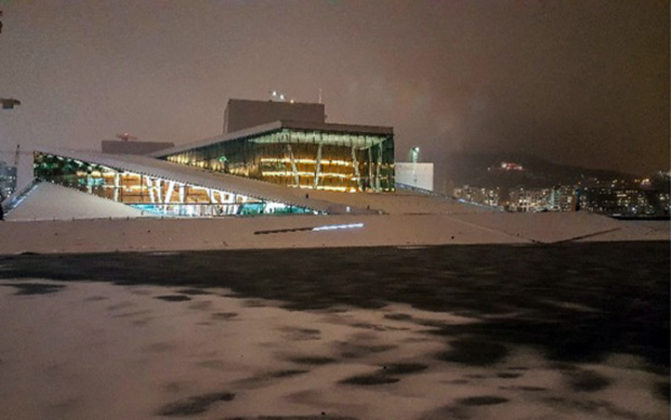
(414, 154)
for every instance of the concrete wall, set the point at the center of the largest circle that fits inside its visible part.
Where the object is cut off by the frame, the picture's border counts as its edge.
(243, 113)
(133, 147)
(418, 175)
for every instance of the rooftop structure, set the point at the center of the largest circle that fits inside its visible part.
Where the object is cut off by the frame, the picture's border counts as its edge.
(245, 113)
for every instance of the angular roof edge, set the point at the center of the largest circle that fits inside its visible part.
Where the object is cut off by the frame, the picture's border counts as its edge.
(276, 125)
(259, 129)
(337, 127)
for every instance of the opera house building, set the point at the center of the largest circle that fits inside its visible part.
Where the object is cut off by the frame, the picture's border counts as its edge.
(318, 184)
(268, 152)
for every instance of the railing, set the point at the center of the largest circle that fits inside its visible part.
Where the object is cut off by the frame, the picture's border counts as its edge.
(17, 196)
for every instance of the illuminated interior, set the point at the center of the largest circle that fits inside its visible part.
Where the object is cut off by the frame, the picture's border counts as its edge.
(152, 194)
(334, 161)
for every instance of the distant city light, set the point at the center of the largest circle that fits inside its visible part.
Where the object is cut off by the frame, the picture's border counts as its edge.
(274, 94)
(511, 166)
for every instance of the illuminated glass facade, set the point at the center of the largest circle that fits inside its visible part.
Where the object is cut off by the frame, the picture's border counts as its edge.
(314, 159)
(149, 193)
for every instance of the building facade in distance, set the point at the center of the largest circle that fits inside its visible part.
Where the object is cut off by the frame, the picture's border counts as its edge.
(625, 201)
(7, 180)
(486, 196)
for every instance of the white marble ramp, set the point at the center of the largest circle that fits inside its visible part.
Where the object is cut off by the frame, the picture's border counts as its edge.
(47, 201)
(55, 219)
(553, 227)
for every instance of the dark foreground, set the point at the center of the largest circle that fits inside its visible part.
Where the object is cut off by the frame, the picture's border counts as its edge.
(585, 317)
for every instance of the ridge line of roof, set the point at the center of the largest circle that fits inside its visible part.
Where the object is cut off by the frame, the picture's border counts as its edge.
(258, 129)
(275, 125)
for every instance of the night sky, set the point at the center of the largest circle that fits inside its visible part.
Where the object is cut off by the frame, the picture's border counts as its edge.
(576, 82)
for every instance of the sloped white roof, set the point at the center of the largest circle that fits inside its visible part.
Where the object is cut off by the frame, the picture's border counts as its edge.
(47, 201)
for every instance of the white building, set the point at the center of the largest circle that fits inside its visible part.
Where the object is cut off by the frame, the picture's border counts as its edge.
(418, 175)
